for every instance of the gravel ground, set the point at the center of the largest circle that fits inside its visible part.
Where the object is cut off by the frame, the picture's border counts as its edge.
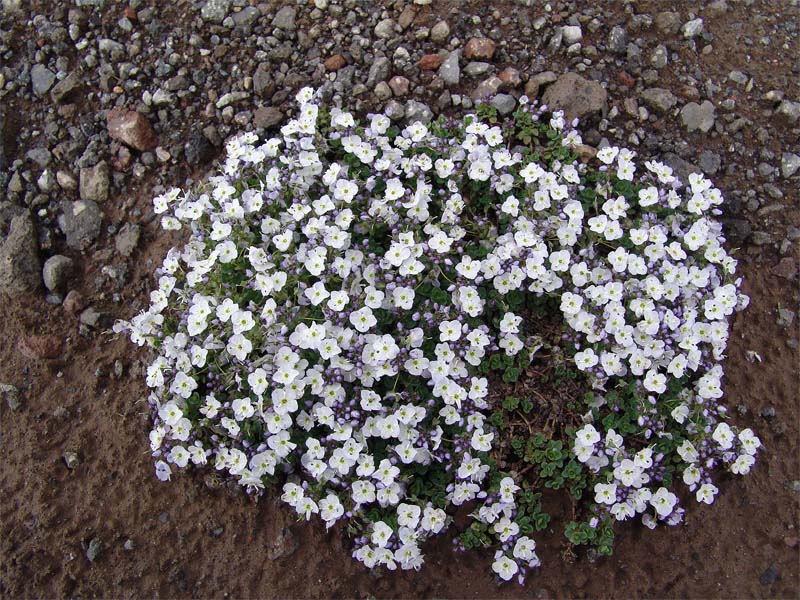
(104, 103)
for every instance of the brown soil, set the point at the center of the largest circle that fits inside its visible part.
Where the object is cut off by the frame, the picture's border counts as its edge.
(194, 537)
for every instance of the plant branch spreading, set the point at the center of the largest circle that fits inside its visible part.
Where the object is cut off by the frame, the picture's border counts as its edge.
(350, 292)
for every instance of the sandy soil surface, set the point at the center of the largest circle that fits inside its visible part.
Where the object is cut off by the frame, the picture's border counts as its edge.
(195, 537)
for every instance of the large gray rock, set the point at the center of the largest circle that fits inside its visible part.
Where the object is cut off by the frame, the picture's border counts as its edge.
(379, 71)
(20, 267)
(576, 96)
(698, 116)
(81, 223)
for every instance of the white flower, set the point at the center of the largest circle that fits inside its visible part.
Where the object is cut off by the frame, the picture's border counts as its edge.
(505, 568)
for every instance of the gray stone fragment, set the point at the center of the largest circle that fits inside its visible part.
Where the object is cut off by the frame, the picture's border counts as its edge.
(571, 34)
(618, 40)
(215, 11)
(95, 182)
(263, 84)
(42, 79)
(385, 29)
(790, 163)
(788, 113)
(698, 116)
(450, 71)
(94, 549)
(266, 117)
(692, 28)
(56, 272)
(81, 223)
(127, 238)
(20, 267)
(285, 18)
(66, 87)
(379, 71)
(504, 103)
(440, 32)
(709, 162)
(576, 96)
(247, 16)
(418, 111)
(475, 68)
(659, 99)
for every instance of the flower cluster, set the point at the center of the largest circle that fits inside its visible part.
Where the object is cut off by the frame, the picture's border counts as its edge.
(330, 322)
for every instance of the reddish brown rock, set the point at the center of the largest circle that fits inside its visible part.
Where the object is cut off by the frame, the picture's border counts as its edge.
(430, 62)
(40, 346)
(74, 303)
(480, 48)
(132, 129)
(625, 79)
(510, 77)
(335, 62)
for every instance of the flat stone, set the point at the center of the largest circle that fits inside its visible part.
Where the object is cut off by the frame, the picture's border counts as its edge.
(285, 18)
(659, 99)
(42, 79)
(66, 88)
(267, 117)
(128, 238)
(132, 129)
(576, 96)
(480, 48)
(698, 116)
(95, 182)
(81, 223)
(20, 266)
(56, 272)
